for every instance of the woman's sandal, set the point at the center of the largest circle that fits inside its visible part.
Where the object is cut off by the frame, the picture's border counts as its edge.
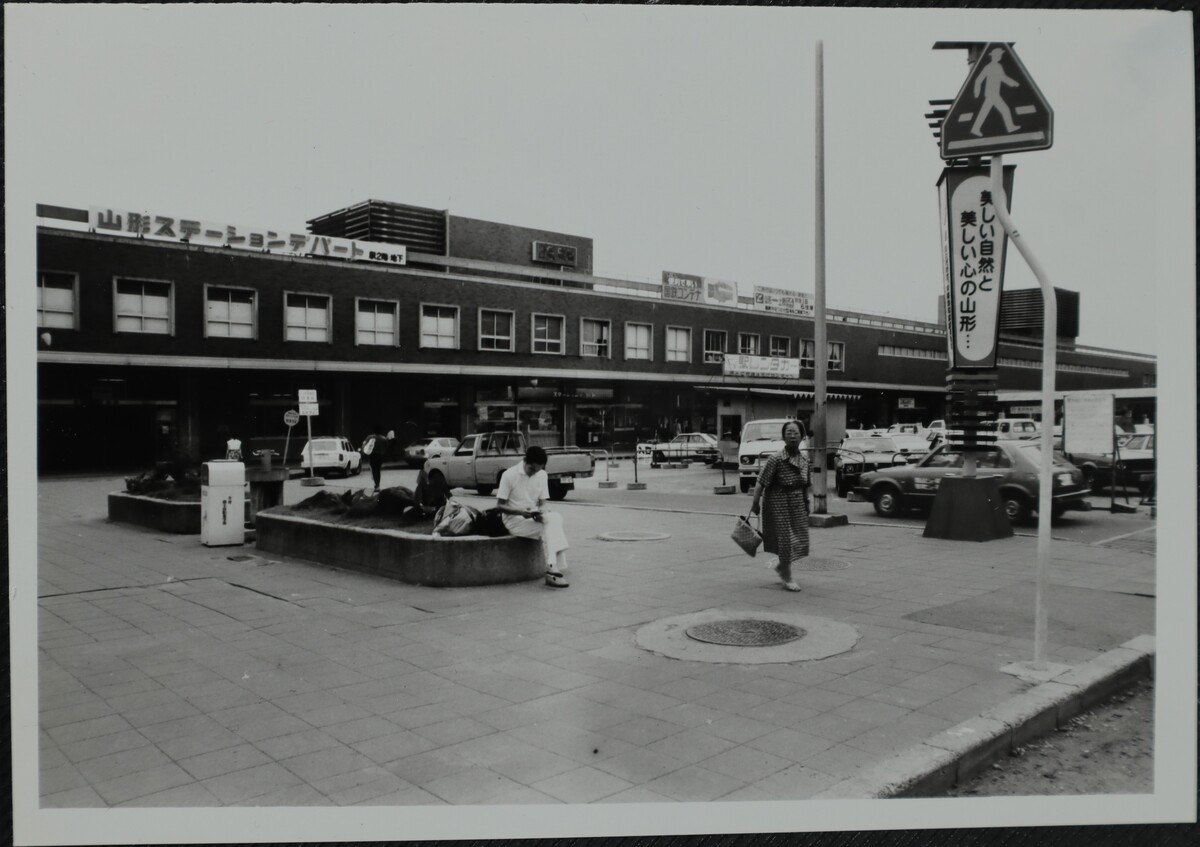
(556, 580)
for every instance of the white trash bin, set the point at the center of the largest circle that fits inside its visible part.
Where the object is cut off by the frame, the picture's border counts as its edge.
(222, 503)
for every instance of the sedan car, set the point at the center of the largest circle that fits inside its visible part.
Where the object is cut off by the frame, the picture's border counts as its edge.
(416, 453)
(685, 447)
(1134, 466)
(331, 454)
(856, 456)
(1016, 463)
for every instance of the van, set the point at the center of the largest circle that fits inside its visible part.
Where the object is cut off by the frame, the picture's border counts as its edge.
(760, 440)
(1008, 429)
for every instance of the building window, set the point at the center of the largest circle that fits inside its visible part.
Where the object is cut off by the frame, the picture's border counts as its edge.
(748, 343)
(309, 317)
(593, 338)
(781, 345)
(548, 334)
(495, 330)
(836, 350)
(679, 344)
(837, 356)
(58, 294)
(639, 341)
(376, 322)
(714, 346)
(439, 326)
(143, 306)
(229, 312)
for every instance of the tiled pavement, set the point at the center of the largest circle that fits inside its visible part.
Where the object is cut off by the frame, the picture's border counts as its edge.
(173, 675)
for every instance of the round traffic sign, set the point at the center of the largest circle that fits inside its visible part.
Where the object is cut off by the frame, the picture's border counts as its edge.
(291, 417)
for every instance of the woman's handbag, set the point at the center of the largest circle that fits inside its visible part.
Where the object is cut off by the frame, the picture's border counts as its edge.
(746, 536)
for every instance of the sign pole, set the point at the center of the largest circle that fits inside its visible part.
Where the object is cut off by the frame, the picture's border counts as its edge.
(1049, 365)
(820, 353)
(311, 462)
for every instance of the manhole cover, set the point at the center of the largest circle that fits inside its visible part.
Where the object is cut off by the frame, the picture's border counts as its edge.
(816, 563)
(634, 536)
(745, 633)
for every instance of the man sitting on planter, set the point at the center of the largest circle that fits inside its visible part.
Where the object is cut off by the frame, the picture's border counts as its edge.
(524, 489)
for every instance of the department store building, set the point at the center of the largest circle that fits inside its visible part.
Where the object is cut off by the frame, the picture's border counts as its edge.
(162, 336)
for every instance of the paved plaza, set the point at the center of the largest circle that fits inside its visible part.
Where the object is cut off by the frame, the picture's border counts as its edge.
(174, 674)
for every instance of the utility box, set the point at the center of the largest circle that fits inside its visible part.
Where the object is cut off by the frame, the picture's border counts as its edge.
(222, 503)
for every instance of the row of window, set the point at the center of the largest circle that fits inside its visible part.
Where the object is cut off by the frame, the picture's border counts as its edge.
(1036, 364)
(147, 306)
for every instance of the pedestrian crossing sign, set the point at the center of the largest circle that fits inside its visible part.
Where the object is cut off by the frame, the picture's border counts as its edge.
(998, 110)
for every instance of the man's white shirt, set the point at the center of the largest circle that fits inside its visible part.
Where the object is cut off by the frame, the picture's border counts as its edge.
(523, 491)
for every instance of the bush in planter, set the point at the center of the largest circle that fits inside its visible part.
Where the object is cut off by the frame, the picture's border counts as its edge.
(178, 484)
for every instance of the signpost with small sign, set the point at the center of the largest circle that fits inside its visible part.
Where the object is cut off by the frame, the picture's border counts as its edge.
(308, 408)
(290, 418)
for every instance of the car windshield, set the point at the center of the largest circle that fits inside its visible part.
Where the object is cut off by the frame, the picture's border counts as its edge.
(1139, 442)
(911, 442)
(870, 445)
(1033, 452)
(764, 431)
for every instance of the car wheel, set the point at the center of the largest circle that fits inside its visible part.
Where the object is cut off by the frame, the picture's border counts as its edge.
(1016, 506)
(888, 502)
(1090, 478)
(657, 458)
(745, 485)
(842, 488)
(485, 490)
(558, 491)
(1057, 511)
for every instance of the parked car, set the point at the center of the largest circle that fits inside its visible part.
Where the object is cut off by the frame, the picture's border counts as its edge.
(331, 454)
(856, 456)
(1017, 463)
(416, 453)
(1135, 464)
(481, 459)
(905, 429)
(761, 439)
(685, 447)
(1017, 428)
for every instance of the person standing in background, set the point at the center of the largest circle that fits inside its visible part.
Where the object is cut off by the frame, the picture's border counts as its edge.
(374, 448)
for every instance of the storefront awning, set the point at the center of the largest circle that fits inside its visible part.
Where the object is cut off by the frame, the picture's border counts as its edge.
(804, 395)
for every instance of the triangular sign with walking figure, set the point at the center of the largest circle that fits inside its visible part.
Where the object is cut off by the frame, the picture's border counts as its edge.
(998, 110)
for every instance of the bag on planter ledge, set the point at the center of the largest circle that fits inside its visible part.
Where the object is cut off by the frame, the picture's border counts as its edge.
(455, 518)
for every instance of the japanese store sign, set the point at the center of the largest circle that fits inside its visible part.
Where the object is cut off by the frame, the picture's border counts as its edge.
(260, 239)
(739, 364)
(555, 254)
(698, 289)
(973, 246)
(782, 300)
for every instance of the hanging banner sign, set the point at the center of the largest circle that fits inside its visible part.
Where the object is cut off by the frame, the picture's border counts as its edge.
(973, 247)
(158, 227)
(782, 300)
(779, 367)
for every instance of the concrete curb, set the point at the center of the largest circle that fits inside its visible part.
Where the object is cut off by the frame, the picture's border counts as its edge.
(935, 765)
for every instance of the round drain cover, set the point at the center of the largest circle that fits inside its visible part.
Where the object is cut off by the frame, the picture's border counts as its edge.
(745, 633)
(816, 563)
(634, 536)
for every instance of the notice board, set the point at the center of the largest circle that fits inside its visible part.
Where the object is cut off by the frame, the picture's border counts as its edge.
(1088, 423)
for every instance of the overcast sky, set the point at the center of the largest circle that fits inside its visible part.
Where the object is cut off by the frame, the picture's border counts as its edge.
(676, 138)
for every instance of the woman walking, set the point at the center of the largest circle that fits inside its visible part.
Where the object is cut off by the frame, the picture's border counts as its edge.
(785, 482)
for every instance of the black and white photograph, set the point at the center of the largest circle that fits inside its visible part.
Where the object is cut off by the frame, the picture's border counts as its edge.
(524, 421)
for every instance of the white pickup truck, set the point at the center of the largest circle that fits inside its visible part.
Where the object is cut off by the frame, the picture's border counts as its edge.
(481, 458)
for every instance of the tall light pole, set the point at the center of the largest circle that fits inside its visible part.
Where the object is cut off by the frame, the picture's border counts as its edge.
(819, 340)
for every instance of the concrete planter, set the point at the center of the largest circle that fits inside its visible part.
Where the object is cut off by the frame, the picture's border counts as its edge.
(176, 516)
(410, 557)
